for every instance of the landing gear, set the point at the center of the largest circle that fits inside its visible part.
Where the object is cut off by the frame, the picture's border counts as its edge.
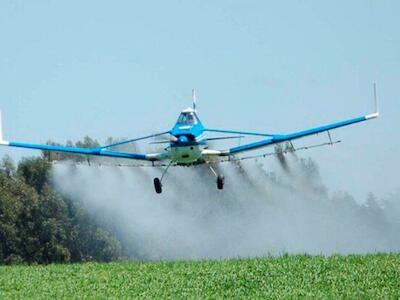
(157, 185)
(158, 181)
(220, 178)
(220, 181)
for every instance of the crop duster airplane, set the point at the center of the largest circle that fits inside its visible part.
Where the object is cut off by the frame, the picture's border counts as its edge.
(187, 144)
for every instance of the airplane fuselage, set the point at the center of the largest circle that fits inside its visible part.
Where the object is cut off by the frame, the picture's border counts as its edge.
(189, 140)
(186, 154)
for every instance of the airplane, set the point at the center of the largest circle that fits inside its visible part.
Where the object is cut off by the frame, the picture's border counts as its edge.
(188, 145)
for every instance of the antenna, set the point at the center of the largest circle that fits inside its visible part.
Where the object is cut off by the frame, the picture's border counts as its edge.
(194, 98)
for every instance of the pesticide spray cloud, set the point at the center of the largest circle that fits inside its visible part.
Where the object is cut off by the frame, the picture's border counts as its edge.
(263, 209)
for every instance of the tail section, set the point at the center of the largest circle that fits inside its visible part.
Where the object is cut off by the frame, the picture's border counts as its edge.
(194, 99)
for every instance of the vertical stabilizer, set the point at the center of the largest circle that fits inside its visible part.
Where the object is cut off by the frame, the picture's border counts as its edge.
(194, 98)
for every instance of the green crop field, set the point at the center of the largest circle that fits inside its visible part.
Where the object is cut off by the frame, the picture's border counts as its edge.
(371, 276)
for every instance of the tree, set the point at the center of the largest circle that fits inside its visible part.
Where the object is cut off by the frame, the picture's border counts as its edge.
(7, 166)
(38, 225)
(35, 172)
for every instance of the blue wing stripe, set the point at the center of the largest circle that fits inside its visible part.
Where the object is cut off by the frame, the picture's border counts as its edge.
(76, 150)
(291, 136)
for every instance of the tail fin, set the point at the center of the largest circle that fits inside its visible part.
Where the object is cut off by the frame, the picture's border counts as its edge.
(194, 98)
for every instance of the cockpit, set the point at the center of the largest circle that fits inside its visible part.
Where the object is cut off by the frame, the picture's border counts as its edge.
(187, 118)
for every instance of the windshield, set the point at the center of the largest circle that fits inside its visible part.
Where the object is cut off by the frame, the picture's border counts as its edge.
(187, 118)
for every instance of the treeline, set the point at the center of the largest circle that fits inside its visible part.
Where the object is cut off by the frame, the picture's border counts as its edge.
(38, 225)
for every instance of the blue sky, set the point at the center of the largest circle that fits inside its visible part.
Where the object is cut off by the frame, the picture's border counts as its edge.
(125, 68)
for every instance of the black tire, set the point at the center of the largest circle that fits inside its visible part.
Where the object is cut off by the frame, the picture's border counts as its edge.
(157, 185)
(220, 181)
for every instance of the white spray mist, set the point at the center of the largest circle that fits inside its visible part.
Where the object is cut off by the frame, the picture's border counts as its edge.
(258, 213)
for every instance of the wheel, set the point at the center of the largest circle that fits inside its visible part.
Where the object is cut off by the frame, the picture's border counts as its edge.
(220, 181)
(157, 185)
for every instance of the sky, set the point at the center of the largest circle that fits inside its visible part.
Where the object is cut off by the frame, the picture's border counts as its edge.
(126, 68)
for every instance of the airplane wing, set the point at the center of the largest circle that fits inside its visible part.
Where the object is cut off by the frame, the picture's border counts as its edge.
(97, 151)
(278, 138)
(299, 134)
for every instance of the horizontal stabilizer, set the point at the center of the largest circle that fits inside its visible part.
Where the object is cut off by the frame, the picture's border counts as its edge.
(225, 138)
(210, 152)
(161, 142)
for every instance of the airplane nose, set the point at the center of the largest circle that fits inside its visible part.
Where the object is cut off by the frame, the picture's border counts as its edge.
(183, 139)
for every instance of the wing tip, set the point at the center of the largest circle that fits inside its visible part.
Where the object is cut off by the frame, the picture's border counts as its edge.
(2, 141)
(372, 116)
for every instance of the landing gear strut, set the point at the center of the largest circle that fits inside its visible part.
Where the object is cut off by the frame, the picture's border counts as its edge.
(158, 181)
(220, 178)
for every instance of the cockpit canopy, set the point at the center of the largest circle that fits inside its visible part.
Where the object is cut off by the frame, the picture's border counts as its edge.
(188, 118)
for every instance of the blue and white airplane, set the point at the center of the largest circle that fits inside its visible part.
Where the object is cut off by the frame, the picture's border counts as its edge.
(188, 143)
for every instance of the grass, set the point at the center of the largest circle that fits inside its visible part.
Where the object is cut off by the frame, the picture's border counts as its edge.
(354, 277)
